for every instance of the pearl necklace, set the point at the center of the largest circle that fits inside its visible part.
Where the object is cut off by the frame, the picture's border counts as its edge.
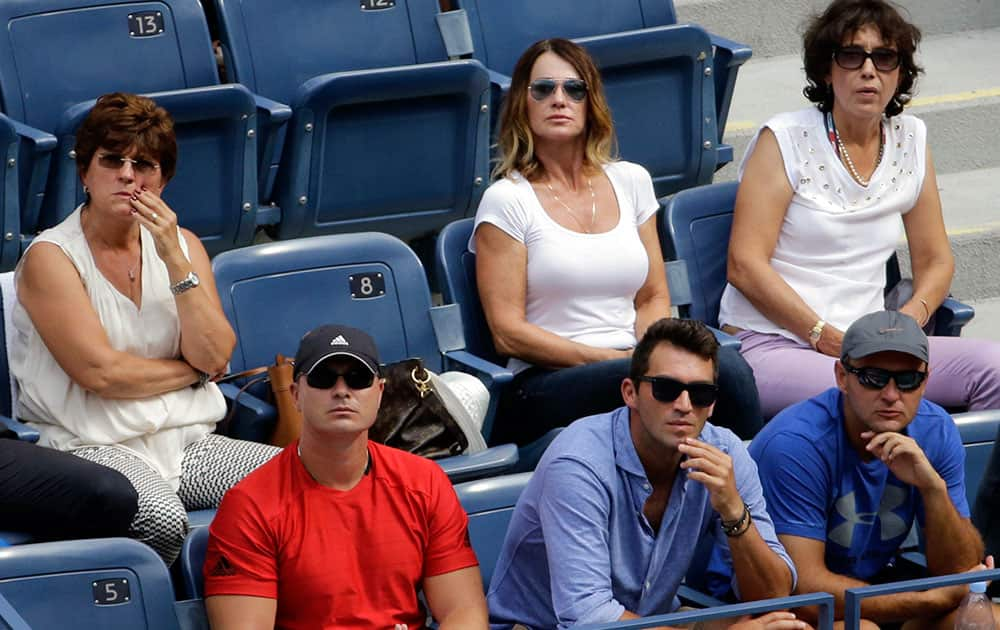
(850, 163)
(593, 206)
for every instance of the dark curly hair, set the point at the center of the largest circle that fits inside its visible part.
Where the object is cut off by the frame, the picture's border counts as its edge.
(121, 122)
(826, 32)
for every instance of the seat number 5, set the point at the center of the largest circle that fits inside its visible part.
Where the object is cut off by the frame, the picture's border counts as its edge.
(111, 592)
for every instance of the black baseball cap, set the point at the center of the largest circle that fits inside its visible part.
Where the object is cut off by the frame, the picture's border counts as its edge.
(334, 340)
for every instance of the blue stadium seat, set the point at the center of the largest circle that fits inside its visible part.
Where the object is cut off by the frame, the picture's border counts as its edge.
(101, 583)
(11, 203)
(273, 293)
(455, 268)
(978, 430)
(61, 54)
(490, 504)
(378, 140)
(191, 561)
(669, 86)
(695, 227)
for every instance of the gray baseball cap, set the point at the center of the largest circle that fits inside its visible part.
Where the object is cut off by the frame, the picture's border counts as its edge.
(884, 331)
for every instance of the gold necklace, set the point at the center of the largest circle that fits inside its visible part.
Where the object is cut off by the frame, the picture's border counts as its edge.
(593, 206)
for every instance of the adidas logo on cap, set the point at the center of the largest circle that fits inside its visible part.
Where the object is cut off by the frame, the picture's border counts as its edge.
(339, 341)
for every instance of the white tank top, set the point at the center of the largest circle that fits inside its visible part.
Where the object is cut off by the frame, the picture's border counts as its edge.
(68, 416)
(837, 234)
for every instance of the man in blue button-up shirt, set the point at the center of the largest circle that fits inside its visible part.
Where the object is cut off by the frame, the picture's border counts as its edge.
(609, 523)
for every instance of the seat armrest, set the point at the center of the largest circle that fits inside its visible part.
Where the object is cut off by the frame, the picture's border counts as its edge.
(36, 149)
(823, 600)
(21, 431)
(272, 117)
(693, 597)
(493, 376)
(496, 460)
(253, 419)
(726, 62)
(951, 316)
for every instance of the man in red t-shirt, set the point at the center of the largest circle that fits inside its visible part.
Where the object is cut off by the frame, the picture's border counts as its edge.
(337, 531)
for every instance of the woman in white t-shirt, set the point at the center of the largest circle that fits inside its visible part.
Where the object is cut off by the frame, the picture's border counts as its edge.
(818, 214)
(568, 261)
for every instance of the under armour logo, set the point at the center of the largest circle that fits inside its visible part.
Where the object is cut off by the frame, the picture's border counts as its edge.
(340, 341)
(892, 525)
(843, 534)
(222, 568)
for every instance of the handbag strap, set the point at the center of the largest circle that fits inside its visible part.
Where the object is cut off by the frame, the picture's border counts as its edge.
(245, 373)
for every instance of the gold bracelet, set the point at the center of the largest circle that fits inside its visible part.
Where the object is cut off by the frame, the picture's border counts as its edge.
(927, 311)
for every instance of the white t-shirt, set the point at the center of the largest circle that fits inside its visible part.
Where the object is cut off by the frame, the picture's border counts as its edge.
(837, 234)
(579, 286)
(68, 416)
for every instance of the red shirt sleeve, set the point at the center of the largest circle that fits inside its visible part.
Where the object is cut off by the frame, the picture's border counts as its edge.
(242, 555)
(448, 548)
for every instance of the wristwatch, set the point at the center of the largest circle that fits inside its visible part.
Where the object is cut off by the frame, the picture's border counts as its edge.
(190, 281)
(815, 333)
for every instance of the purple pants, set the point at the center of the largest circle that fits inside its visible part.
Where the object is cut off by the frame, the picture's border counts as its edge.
(964, 372)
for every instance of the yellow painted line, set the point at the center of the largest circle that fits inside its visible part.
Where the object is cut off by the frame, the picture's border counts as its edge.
(737, 126)
(979, 229)
(958, 97)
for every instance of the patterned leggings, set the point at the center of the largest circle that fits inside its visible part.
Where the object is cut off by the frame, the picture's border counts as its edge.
(210, 467)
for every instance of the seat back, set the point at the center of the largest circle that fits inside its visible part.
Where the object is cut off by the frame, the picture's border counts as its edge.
(979, 432)
(99, 583)
(376, 142)
(156, 47)
(192, 561)
(490, 505)
(696, 225)
(273, 47)
(274, 293)
(455, 267)
(503, 29)
(657, 75)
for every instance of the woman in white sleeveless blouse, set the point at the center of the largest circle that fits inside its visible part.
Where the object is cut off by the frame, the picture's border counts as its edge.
(119, 329)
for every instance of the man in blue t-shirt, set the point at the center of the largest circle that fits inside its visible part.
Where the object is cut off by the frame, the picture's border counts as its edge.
(846, 472)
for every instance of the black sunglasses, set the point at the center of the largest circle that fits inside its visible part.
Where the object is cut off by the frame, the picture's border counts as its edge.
(666, 389)
(877, 378)
(355, 378)
(115, 162)
(853, 57)
(541, 89)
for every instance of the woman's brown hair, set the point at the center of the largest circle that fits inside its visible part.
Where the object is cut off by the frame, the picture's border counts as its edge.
(515, 141)
(121, 122)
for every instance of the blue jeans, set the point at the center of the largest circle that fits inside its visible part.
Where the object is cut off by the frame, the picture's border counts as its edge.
(541, 399)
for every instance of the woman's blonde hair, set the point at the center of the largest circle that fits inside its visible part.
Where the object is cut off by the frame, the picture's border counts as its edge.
(515, 141)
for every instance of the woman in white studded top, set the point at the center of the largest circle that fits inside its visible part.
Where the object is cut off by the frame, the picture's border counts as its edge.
(825, 195)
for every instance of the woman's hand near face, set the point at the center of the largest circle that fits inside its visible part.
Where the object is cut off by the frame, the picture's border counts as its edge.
(153, 213)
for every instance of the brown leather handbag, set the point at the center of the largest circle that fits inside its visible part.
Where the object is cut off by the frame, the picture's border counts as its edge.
(413, 417)
(279, 374)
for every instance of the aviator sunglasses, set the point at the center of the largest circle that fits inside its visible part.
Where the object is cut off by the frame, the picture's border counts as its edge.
(541, 89)
(355, 378)
(666, 389)
(115, 162)
(853, 57)
(877, 378)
